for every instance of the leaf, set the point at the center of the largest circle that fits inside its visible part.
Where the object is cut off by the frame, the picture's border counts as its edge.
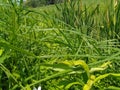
(101, 77)
(106, 75)
(71, 84)
(16, 75)
(89, 84)
(102, 67)
(27, 87)
(28, 78)
(113, 88)
(50, 77)
(77, 63)
(1, 51)
(58, 67)
(3, 58)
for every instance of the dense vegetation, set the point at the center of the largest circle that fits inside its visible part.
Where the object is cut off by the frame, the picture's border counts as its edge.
(38, 3)
(73, 45)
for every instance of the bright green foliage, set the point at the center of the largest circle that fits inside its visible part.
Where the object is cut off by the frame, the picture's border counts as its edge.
(1, 52)
(74, 45)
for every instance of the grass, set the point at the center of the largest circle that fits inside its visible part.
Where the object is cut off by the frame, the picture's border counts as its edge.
(69, 46)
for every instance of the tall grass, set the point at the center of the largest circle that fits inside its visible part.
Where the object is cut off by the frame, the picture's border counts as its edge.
(89, 19)
(75, 49)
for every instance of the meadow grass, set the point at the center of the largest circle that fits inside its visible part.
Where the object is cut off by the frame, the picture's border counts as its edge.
(70, 46)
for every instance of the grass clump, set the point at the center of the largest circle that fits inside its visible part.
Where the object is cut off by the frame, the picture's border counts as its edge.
(75, 47)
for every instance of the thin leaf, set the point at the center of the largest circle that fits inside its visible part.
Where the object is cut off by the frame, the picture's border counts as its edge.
(50, 77)
(71, 84)
(113, 88)
(106, 75)
(58, 67)
(102, 67)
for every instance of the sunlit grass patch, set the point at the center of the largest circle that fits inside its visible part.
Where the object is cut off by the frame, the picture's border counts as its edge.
(72, 46)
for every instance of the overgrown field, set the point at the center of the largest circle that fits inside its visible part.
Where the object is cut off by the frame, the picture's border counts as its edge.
(74, 45)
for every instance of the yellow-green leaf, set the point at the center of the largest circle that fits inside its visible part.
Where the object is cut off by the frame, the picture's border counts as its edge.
(106, 75)
(16, 75)
(71, 84)
(27, 87)
(3, 58)
(102, 67)
(89, 84)
(113, 88)
(78, 62)
(1, 51)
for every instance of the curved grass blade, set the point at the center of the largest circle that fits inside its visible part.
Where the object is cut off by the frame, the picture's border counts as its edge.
(89, 84)
(50, 77)
(58, 67)
(113, 88)
(106, 75)
(71, 84)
